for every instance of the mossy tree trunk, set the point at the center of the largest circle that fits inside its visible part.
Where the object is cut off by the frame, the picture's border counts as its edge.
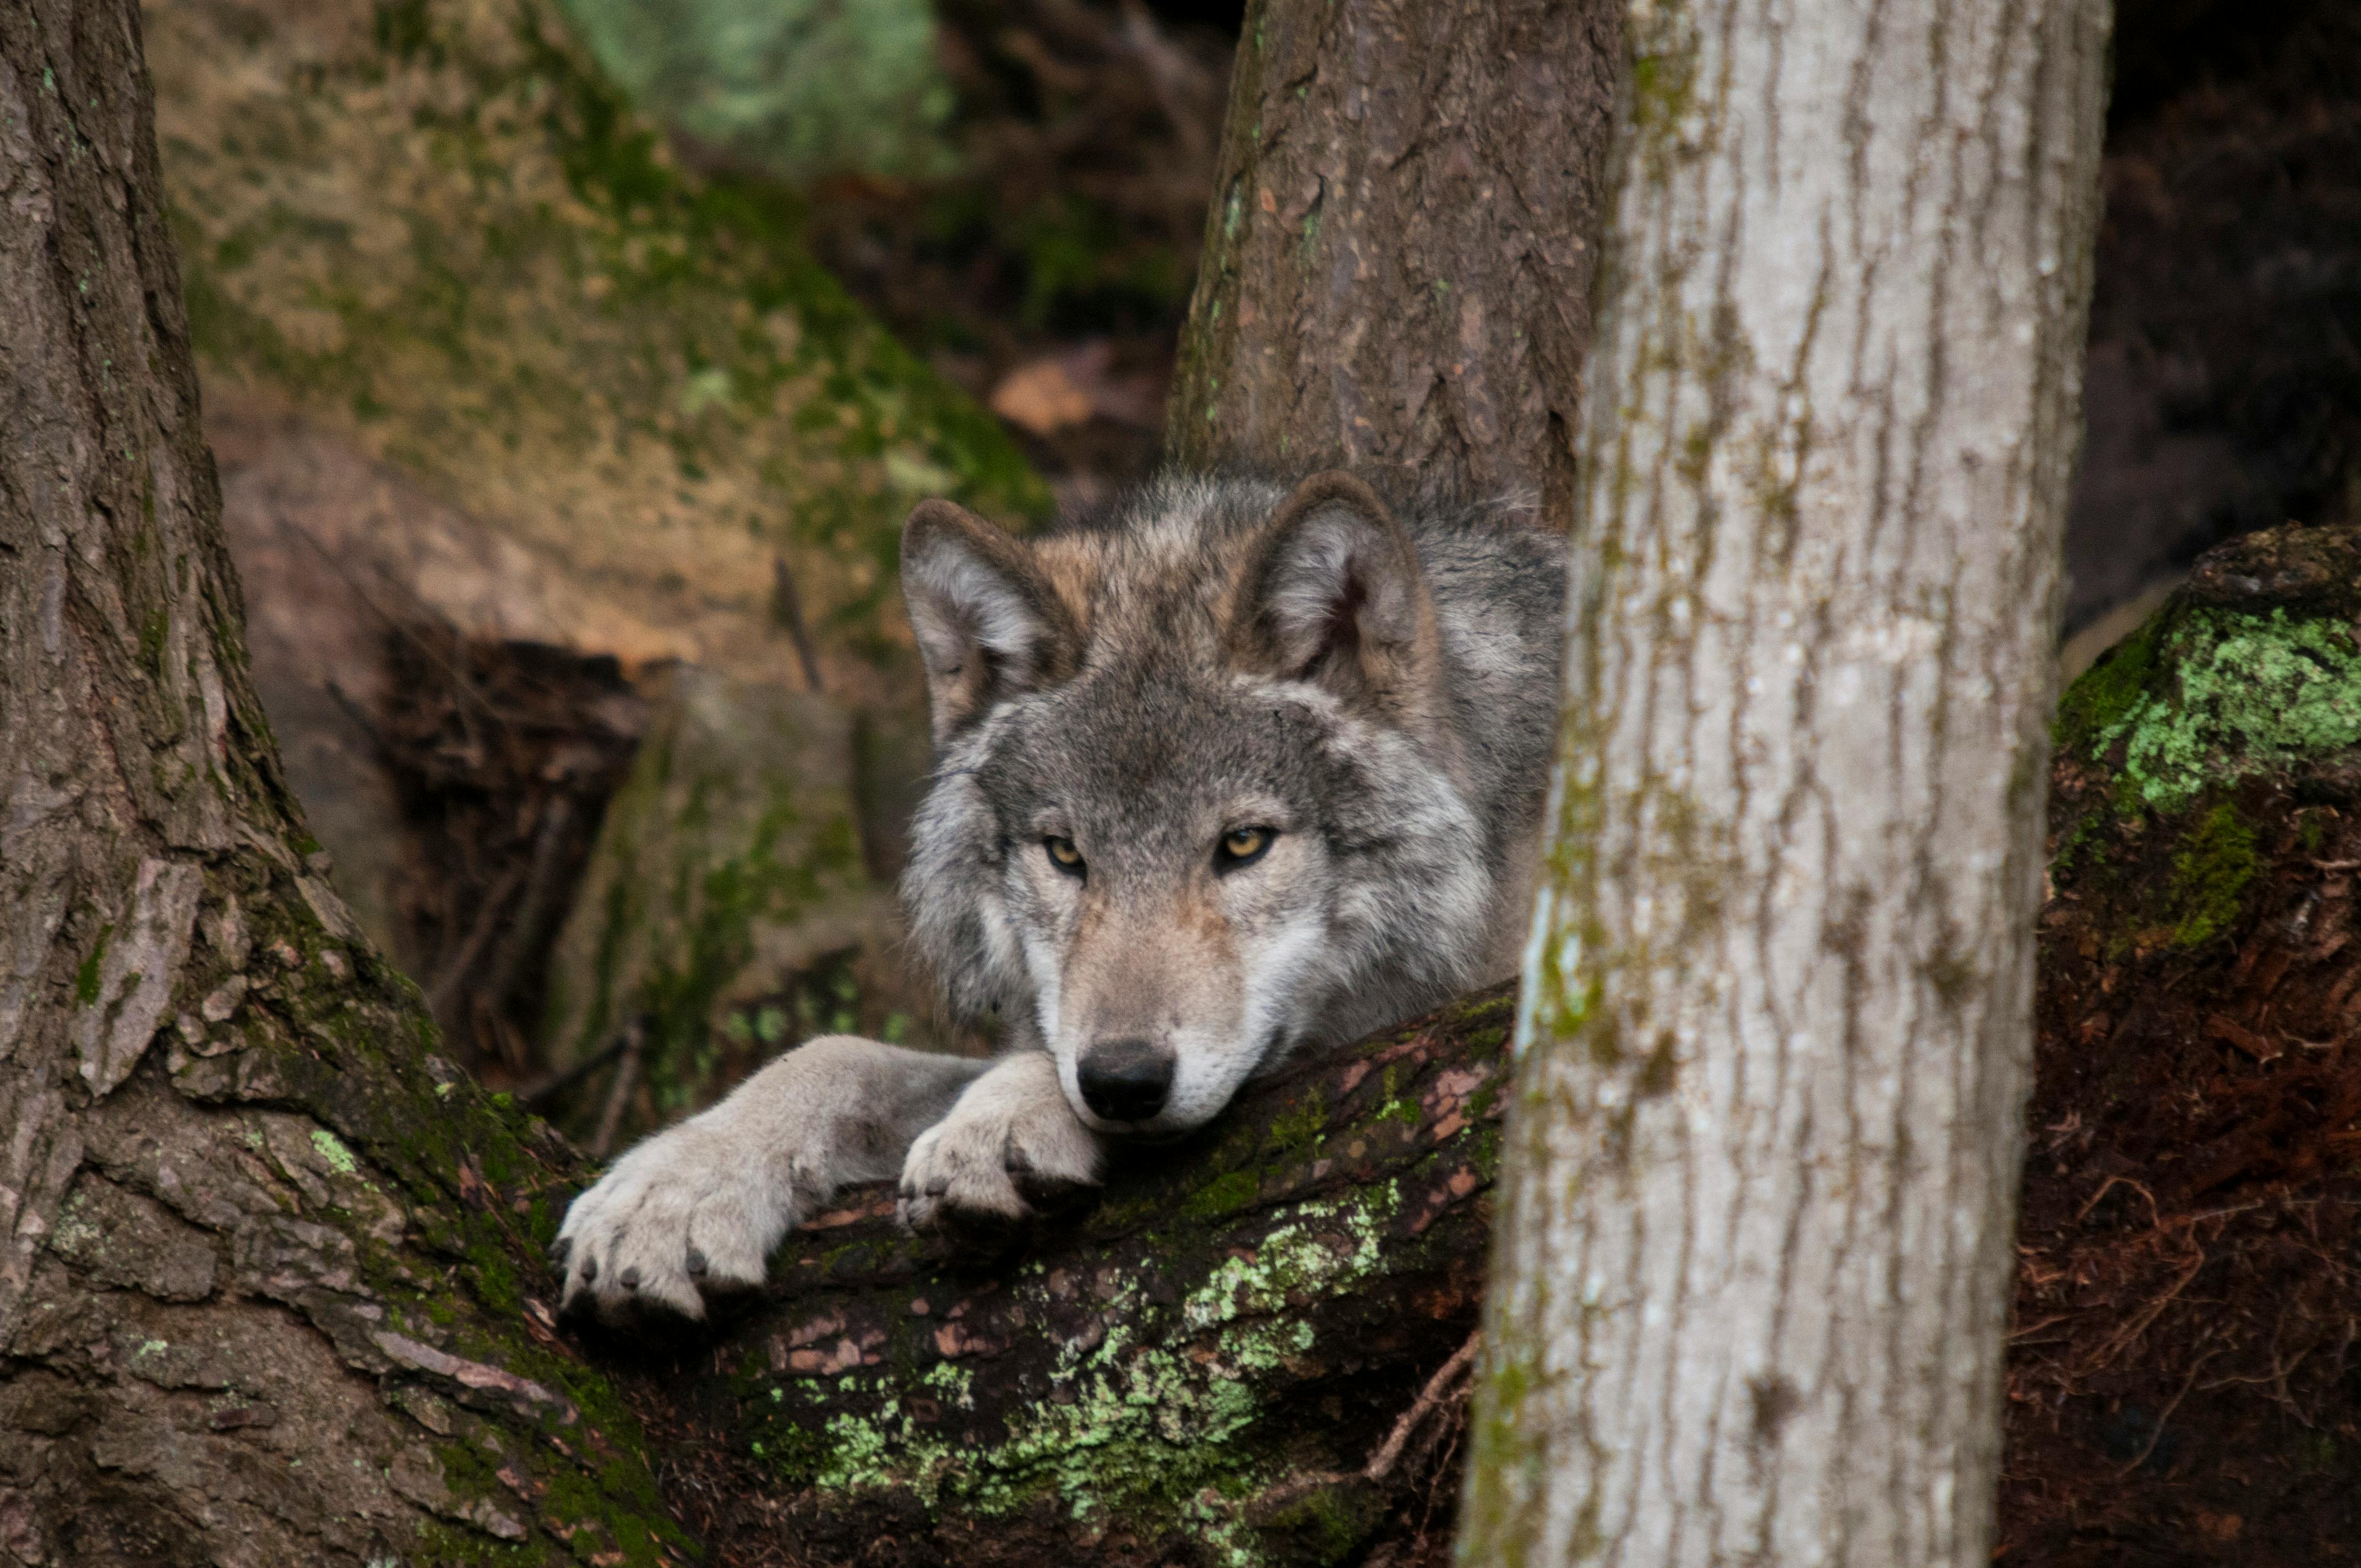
(1397, 262)
(1758, 1197)
(265, 1281)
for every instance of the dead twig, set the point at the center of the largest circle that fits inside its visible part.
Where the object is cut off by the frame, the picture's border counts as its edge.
(1438, 1387)
(2115, 1344)
(787, 611)
(1447, 1384)
(2166, 1414)
(542, 894)
(439, 995)
(627, 1077)
(2084, 1212)
(536, 1094)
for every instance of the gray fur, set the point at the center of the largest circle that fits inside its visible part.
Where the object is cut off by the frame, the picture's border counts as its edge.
(1378, 686)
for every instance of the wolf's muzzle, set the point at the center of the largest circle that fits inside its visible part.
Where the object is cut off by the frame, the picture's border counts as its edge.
(1125, 1081)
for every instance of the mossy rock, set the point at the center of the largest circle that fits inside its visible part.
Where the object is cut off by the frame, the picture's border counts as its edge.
(728, 863)
(2253, 666)
(800, 88)
(432, 228)
(2247, 680)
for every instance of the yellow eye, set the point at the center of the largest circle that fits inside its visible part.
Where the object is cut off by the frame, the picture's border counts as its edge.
(1241, 845)
(1063, 855)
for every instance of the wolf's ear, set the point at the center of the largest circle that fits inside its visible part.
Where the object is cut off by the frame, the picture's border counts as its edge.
(989, 624)
(1336, 596)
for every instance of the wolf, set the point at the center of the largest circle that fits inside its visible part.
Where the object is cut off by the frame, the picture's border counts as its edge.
(1232, 771)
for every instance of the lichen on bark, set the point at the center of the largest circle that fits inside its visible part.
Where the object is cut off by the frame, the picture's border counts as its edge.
(1199, 1363)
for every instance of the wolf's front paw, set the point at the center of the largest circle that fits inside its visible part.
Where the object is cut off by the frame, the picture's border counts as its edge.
(687, 1212)
(1012, 1134)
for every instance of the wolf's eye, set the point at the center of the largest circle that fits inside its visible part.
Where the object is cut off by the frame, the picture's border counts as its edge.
(1241, 846)
(1064, 856)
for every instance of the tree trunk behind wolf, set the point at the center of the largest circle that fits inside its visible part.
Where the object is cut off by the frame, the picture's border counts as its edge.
(1758, 1195)
(1398, 263)
(262, 1276)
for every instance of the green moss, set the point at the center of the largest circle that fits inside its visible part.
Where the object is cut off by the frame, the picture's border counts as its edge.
(1298, 1131)
(800, 88)
(2100, 698)
(1227, 1192)
(2203, 696)
(1157, 1427)
(2217, 862)
(1502, 1462)
(1326, 1525)
(86, 978)
(1663, 52)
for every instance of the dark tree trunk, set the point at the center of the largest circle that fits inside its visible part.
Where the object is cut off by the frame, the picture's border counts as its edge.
(263, 1290)
(1396, 270)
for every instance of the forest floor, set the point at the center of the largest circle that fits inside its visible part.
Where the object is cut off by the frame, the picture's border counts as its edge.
(2184, 1383)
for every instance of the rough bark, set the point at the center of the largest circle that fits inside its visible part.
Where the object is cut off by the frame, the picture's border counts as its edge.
(260, 1295)
(1755, 1239)
(1397, 260)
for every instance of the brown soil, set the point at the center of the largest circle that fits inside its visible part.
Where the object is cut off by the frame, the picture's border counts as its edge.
(2182, 1381)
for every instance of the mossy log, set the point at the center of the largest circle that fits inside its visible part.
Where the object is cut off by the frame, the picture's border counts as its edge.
(1249, 1348)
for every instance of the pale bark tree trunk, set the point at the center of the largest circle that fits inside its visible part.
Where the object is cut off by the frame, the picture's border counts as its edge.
(1398, 261)
(263, 1268)
(1754, 1245)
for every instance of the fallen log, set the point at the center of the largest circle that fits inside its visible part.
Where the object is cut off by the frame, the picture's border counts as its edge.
(1249, 1347)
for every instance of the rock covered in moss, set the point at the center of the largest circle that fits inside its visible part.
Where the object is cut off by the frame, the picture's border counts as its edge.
(430, 230)
(729, 861)
(2253, 666)
(801, 88)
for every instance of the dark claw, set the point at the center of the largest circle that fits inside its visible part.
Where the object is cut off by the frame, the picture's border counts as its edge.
(589, 1271)
(696, 1263)
(910, 1190)
(558, 1251)
(938, 1185)
(630, 1280)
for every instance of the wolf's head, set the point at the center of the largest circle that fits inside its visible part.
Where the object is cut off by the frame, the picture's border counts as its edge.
(1199, 798)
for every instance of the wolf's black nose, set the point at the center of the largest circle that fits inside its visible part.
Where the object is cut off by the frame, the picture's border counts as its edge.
(1125, 1081)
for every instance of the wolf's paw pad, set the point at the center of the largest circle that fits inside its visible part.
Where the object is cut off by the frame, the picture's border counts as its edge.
(676, 1219)
(979, 1172)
